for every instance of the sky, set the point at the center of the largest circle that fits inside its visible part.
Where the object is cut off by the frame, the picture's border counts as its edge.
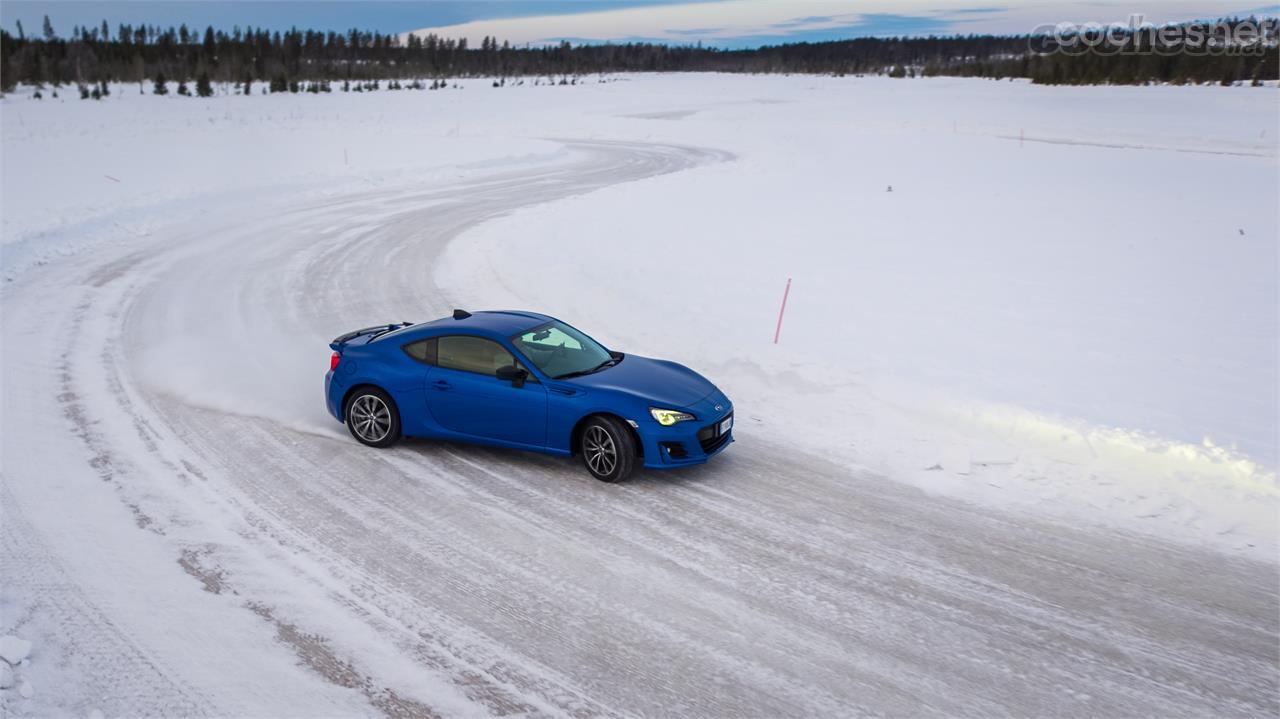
(720, 23)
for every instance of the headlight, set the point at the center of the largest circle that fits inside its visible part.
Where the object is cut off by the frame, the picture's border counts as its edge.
(668, 417)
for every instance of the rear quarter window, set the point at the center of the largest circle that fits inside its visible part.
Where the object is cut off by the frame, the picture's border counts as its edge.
(424, 351)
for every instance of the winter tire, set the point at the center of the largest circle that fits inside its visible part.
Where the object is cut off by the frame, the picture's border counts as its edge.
(608, 449)
(372, 417)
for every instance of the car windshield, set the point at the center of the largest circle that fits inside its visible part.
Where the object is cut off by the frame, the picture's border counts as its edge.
(560, 351)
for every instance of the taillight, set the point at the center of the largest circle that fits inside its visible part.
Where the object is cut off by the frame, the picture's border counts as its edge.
(334, 360)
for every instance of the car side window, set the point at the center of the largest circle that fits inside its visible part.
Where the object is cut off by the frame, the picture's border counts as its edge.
(423, 350)
(474, 354)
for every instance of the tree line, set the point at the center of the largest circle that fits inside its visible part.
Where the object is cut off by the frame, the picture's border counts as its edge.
(91, 57)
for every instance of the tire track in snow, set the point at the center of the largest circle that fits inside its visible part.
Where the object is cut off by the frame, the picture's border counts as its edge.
(74, 634)
(602, 168)
(767, 583)
(788, 585)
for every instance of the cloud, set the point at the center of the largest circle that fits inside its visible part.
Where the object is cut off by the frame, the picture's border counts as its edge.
(739, 22)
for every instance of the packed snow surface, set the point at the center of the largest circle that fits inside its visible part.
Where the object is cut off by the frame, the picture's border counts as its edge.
(13, 650)
(1013, 452)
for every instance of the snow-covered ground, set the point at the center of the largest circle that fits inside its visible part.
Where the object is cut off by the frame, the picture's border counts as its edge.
(1068, 299)
(1024, 399)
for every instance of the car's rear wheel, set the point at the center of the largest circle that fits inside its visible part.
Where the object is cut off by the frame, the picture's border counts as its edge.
(608, 449)
(372, 417)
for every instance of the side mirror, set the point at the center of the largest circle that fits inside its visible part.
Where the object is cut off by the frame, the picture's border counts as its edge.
(513, 374)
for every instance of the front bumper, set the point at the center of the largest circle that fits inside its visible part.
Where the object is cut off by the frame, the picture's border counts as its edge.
(684, 443)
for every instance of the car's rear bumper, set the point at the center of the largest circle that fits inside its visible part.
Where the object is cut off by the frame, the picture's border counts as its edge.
(685, 443)
(333, 395)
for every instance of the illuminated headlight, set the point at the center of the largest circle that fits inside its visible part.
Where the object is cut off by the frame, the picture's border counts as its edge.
(668, 417)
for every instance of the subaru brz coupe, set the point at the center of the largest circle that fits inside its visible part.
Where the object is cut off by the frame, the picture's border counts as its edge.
(525, 381)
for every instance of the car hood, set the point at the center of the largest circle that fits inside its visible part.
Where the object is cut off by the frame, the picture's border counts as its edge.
(659, 381)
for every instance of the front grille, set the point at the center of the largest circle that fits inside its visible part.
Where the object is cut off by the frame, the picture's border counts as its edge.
(708, 438)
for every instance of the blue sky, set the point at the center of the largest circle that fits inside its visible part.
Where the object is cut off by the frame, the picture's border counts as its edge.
(393, 16)
(723, 23)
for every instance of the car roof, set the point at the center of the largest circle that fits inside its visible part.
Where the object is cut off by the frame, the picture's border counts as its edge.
(500, 322)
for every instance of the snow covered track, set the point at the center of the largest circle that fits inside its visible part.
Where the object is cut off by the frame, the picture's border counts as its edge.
(186, 531)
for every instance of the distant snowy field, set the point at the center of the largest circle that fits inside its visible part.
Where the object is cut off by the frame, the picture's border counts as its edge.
(1053, 301)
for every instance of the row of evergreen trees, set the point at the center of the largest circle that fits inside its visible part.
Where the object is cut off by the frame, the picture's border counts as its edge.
(204, 87)
(93, 55)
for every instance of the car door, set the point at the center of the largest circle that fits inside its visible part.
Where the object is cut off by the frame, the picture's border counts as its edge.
(464, 394)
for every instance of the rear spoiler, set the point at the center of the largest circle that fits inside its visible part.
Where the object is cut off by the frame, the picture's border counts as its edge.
(339, 342)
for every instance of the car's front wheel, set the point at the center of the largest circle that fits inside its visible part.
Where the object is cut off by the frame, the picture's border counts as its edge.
(372, 417)
(608, 449)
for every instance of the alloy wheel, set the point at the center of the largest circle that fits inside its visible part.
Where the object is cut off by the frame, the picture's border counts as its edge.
(370, 418)
(600, 450)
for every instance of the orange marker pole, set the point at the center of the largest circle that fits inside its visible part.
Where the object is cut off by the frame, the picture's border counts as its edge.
(778, 332)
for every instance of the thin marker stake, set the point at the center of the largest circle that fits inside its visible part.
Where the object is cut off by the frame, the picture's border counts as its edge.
(777, 332)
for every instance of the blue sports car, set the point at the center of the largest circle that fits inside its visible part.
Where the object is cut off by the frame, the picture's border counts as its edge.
(526, 381)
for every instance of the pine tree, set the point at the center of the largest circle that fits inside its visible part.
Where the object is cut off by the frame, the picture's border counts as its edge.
(248, 83)
(160, 87)
(203, 87)
(138, 53)
(182, 88)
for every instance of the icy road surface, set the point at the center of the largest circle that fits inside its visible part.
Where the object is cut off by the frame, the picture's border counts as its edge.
(210, 551)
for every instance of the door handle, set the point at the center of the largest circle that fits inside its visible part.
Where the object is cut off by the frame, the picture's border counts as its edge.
(443, 384)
